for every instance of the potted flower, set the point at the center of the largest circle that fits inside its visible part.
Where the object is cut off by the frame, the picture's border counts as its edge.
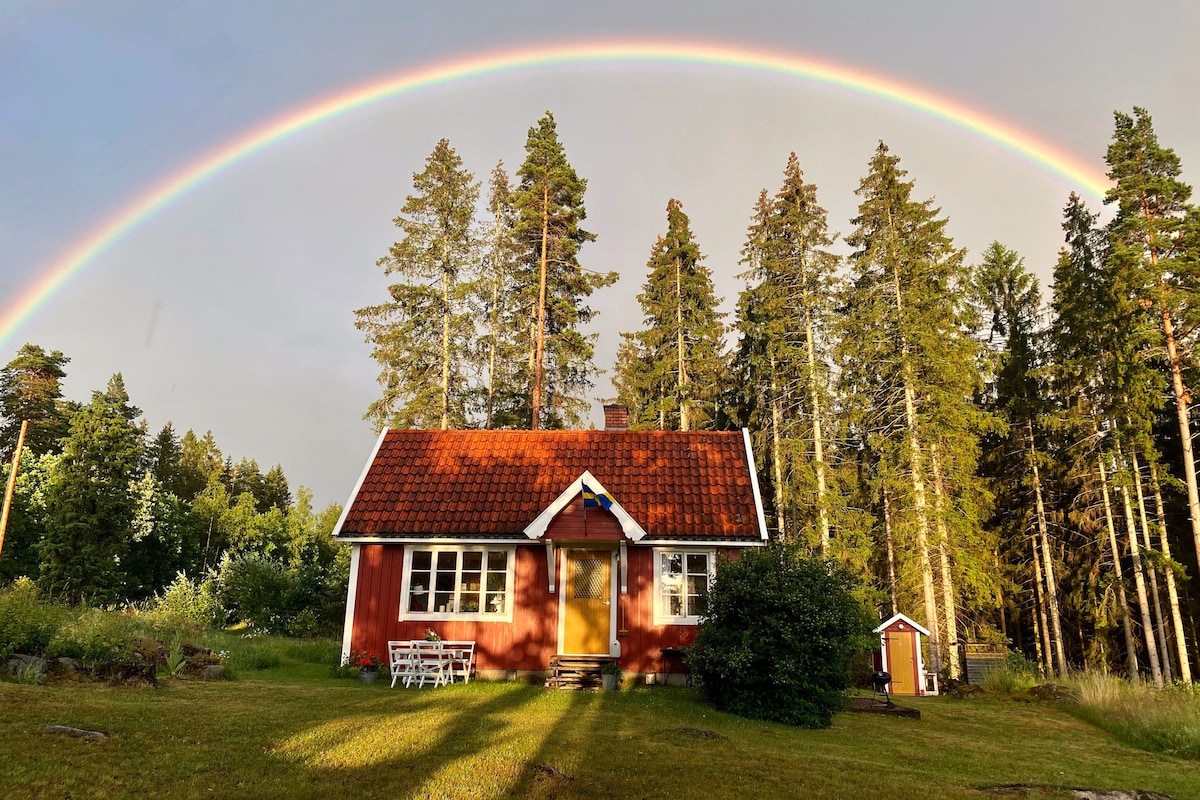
(431, 635)
(368, 665)
(610, 675)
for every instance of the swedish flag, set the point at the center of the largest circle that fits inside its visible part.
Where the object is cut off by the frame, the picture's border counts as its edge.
(593, 499)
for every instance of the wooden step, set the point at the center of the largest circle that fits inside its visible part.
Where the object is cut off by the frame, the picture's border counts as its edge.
(576, 672)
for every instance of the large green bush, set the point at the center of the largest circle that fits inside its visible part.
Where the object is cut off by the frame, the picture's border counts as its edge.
(780, 636)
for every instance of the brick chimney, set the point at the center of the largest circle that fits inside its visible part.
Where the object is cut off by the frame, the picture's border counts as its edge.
(616, 418)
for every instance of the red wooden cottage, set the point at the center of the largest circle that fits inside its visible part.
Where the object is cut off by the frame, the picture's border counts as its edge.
(487, 536)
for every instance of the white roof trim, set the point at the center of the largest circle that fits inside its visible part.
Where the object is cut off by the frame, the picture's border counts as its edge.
(758, 503)
(629, 526)
(337, 529)
(902, 618)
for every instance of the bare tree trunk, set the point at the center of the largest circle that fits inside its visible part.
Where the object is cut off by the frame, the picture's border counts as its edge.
(1059, 654)
(1156, 607)
(1126, 625)
(540, 341)
(1139, 582)
(814, 402)
(949, 603)
(1185, 667)
(891, 551)
(1042, 634)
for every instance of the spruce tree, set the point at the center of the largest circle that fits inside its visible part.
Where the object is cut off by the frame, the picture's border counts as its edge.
(784, 321)
(90, 506)
(676, 361)
(422, 336)
(30, 389)
(910, 368)
(554, 287)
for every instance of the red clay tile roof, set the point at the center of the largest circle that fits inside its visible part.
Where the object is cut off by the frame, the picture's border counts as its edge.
(494, 483)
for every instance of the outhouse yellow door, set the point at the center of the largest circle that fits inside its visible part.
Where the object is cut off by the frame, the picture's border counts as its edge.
(902, 662)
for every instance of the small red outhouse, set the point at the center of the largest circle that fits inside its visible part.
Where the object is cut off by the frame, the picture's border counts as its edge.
(900, 656)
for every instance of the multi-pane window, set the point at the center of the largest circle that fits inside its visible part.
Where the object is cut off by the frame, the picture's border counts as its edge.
(445, 582)
(682, 578)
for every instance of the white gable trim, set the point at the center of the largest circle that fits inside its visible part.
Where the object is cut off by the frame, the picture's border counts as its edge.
(902, 618)
(758, 503)
(337, 529)
(537, 528)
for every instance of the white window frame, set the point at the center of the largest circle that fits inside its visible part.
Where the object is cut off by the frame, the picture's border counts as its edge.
(661, 616)
(445, 616)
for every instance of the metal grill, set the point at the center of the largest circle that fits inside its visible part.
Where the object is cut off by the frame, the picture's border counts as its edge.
(588, 578)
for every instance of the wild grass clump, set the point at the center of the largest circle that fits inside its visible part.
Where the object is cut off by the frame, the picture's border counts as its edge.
(1158, 720)
(1017, 675)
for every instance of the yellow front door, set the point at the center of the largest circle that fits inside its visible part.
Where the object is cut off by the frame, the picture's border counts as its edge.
(902, 662)
(587, 601)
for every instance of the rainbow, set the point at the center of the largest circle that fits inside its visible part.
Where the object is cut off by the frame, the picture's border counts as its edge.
(103, 236)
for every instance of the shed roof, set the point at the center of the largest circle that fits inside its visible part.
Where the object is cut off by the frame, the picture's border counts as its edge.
(469, 483)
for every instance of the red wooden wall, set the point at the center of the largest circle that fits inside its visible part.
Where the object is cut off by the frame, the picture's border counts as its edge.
(531, 639)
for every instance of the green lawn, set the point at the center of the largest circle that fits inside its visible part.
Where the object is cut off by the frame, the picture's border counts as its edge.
(293, 733)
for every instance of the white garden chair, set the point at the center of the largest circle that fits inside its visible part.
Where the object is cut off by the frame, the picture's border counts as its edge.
(460, 659)
(401, 662)
(429, 663)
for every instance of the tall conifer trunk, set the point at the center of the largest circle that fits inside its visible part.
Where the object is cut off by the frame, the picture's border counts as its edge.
(949, 606)
(540, 341)
(684, 419)
(1185, 667)
(445, 339)
(1159, 623)
(1139, 582)
(1059, 654)
(1122, 599)
(1040, 621)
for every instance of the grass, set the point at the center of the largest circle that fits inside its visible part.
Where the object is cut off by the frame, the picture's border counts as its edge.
(293, 732)
(1162, 721)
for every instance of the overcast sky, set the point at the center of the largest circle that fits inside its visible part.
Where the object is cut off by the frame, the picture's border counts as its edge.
(231, 308)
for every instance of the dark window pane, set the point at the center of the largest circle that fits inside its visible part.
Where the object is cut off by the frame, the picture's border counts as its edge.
(447, 560)
(472, 560)
(422, 559)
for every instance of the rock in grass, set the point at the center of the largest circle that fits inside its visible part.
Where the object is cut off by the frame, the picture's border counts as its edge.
(1046, 693)
(19, 662)
(212, 672)
(78, 733)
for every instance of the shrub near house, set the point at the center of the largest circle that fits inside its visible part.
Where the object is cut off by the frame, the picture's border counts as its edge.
(779, 637)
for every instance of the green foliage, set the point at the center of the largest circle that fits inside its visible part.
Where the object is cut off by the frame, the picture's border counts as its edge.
(190, 601)
(780, 636)
(27, 625)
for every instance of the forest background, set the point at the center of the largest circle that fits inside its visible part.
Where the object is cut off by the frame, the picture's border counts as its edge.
(1000, 469)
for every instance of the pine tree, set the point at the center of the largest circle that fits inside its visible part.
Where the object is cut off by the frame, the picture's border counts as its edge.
(910, 369)
(554, 287)
(675, 365)
(422, 336)
(30, 389)
(91, 508)
(784, 320)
